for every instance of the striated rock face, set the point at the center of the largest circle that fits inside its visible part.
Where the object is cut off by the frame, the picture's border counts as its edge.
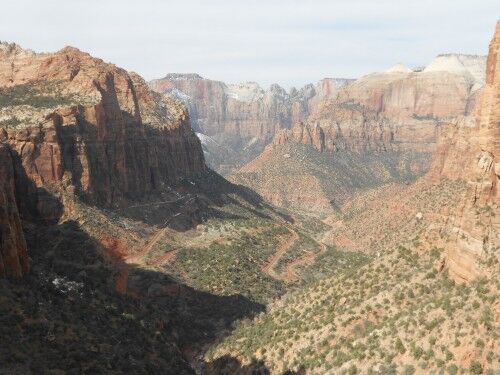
(244, 110)
(14, 261)
(378, 129)
(397, 109)
(73, 117)
(74, 126)
(398, 94)
(243, 118)
(470, 153)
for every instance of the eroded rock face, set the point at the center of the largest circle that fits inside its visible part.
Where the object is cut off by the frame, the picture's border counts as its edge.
(470, 153)
(394, 110)
(398, 109)
(243, 118)
(101, 127)
(244, 110)
(14, 261)
(388, 122)
(77, 127)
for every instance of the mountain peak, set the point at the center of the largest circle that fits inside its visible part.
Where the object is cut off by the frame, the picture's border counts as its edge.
(458, 64)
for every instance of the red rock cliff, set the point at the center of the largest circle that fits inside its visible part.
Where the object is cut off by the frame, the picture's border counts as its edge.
(69, 114)
(242, 110)
(470, 153)
(74, 126)
(398, 110)
(14, 260)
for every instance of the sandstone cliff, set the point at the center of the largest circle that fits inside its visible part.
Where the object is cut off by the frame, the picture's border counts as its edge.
(395, 110)
(398, 109)
(14, 261)
(242, 118)
(78, 128)
(452, 207)
(69, 114)
(381, 128)
(470, 153)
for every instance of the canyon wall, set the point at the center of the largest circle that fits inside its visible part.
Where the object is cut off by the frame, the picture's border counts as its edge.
(74, 127)
(69, 114)
(238, 120)
(379, 129)
(399, 110)
(244, 110)
(470, 153)
(14, 261)
(396, 110)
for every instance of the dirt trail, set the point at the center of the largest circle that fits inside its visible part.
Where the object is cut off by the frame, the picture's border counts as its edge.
(134, 258)
(289, 274)
(155, 203)
(164, 259)
(280, 251)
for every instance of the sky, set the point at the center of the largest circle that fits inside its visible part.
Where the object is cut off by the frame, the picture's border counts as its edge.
(287, 42)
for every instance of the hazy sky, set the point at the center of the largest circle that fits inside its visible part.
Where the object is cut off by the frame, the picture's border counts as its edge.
(288, 42)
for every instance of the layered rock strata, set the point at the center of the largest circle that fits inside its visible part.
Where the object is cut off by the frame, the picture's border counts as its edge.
(68, 113)
(242, 118)
(470, 153)
(14, 261)
(75, 127)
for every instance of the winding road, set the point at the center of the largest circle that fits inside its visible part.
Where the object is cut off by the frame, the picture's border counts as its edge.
(134, 258)
(283, 247)
(289, 273)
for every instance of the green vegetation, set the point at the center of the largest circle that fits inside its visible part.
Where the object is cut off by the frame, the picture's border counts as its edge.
(333, 262)
(10, 122)
(378, 312)
(303, 246)
(38, 95)
(339, 174)
(235, 267)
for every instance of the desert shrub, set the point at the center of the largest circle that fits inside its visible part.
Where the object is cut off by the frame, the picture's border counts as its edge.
(10, 122)
(475, 367)
(417, 352)
(452, 369)
(399, 346)
(353, 370)
(409, 370)
(32, 95)
(486, 318)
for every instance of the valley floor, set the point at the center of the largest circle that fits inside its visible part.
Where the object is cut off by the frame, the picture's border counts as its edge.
(229, 284)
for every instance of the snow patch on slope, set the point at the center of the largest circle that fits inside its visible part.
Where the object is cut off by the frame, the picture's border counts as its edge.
(206, 140)
(177, 94)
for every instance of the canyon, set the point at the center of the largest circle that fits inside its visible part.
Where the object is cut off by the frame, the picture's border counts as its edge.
(398, 109)
(381, 128)
(238, 120)
(445, 223)
(356, 231)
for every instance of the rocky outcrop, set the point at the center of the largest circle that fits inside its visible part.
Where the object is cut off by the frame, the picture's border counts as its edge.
(378, 129)
(14, 261)
(242, 118)
(77, 128)
(399, 95)
(470, 153)
(244, 110)
(398, 111)
(71, 116)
